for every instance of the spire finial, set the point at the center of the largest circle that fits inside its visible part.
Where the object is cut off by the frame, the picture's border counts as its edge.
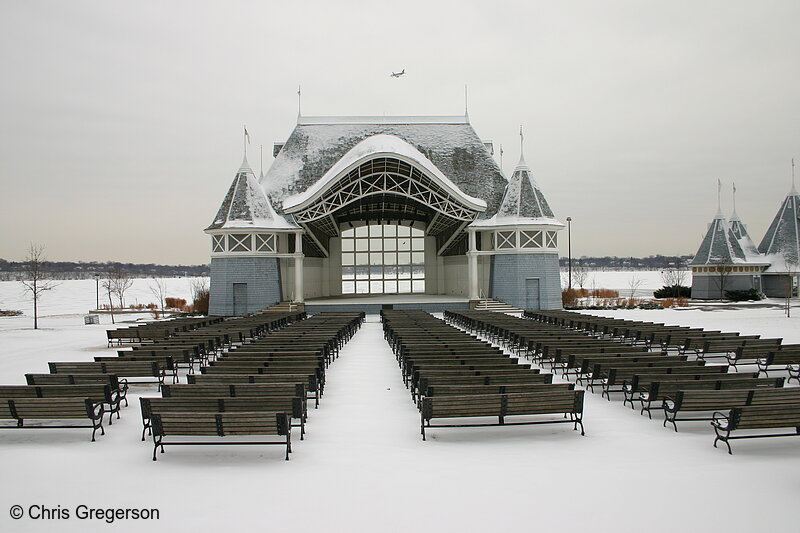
(245, 141)
(794, 190)
(261, 168)
(734, 197)
(466, 102)
(298, 102)
(521, 140)
(719, 198)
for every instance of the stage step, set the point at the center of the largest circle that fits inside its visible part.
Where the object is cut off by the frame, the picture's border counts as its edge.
(489, 304)
(288, 307)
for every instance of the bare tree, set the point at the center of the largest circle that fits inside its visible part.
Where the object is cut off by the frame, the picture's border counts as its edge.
(158, 286)
(633, 285)
(108, 287)
(120, 282)
(673, 276)
(580, 274)
(722, 273)
(35, 280)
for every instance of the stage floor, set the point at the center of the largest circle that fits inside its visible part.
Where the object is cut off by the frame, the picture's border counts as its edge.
(373, 303)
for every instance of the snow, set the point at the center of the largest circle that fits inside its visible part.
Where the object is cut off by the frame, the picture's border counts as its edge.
(375, 145)
(363, 466)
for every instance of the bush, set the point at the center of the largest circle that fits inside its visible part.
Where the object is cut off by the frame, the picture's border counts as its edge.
(175, 303)
(569, 298)
(674, 291)
(604, 293)
(743, 296)
(201, 301)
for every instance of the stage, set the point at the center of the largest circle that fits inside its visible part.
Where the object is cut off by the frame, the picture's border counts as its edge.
(373, 303)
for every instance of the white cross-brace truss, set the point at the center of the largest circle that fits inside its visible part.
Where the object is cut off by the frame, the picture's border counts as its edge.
(398, 178)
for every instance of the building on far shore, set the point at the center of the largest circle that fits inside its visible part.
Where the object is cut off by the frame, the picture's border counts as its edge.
(728, 259)
(360, 206)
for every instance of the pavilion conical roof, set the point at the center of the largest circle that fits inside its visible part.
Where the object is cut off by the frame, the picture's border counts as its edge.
(783, 236)
(247, 206)
(522, 198)
(720, 245)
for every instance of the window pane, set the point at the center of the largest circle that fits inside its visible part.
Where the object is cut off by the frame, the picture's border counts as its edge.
(418, 244)
(404, 244)
(362, 272)
(348, 287)
(362, 259)
(417, 232)
(404, 272)
(361, 245)
(390, 245)
(375, 258)
(418, 272)
(348, 232)
(348, 259)
(403, 287)
(362, 231)
(376, 287)
(375, 272)
(418, 258)
(362, 287)
(375, 231)
(390, 258)
(348, 273)
(390, 287)
(403, 231)
(418, 286)
(347, 245)
(375, 245)
(390, 272)
(404, 258)
(389, 231)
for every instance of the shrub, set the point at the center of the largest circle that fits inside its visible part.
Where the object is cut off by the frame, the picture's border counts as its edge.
(604, 293)
(175, 303)
(569, 298)
(201, 301)
(742, 296)
(674, 291)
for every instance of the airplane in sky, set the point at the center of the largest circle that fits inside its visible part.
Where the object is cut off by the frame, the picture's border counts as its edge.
(397, 74)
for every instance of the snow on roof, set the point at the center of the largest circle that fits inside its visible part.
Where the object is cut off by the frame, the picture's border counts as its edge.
(720, 246)
(450, 144)
(783, 236)
(380, 145)
(247, 206)
(457, 119)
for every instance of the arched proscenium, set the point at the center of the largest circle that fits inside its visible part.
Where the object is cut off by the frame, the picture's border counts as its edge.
(384, 174)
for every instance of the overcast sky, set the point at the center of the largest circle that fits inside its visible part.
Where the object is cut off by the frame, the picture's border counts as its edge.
(120, 122)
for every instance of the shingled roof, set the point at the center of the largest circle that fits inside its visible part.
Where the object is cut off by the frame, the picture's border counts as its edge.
(247, 206)
(720, 246)
(450, 143)
(783, 236)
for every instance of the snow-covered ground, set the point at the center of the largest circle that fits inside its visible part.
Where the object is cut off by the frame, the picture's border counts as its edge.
(364, 468)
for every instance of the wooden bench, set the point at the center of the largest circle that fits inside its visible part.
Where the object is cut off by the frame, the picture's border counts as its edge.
(21, 409)
(569, 402)
(220, 425)
(97, 392)
(786, 358)
(718, 400)
(294, 406)
(756, 418)
(658, 391)
(123, 369)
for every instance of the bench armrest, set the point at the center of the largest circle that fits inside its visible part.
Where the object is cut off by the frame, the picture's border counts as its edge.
(720, 420)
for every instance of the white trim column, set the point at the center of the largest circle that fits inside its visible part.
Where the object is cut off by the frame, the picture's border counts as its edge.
(472, 260)
(298, 267)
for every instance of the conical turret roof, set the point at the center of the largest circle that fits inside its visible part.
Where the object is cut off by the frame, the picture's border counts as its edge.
(720, 246)
(739, 231)
(783, 236)
(522, 198)
(247, 206)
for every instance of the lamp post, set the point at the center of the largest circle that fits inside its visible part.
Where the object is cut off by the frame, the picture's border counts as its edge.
(97, 290)
(569, 249)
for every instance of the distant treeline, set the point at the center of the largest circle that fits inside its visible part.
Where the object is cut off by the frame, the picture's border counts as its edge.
(653, 262)
(12, 270)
